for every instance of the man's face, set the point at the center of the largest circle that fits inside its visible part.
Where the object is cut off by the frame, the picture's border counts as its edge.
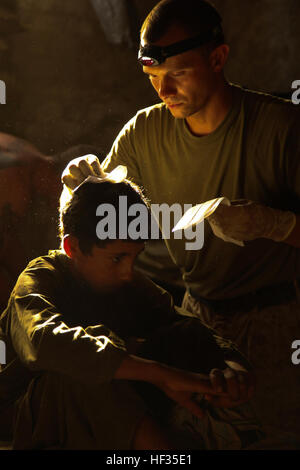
(185, 81)
(109, 268)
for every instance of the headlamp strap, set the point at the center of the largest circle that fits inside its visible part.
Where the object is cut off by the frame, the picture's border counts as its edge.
(160, 54)
(187, 44)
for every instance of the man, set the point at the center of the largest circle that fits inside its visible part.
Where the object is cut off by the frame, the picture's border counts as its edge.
(70, 324)
(207, 139)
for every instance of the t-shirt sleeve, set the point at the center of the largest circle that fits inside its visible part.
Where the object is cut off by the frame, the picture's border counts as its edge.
(123, 152)
(44, 342)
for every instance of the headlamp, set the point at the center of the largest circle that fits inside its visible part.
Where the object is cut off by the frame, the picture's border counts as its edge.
(155, 55)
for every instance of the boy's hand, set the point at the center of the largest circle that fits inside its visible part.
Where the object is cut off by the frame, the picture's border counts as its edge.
(223, 389)
(237, 382)
(181, 386)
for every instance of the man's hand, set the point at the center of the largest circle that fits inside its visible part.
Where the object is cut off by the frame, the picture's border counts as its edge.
(82, 167)
(79, 169)
(247, 220)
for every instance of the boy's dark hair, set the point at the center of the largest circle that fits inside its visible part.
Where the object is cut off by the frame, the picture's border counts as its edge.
(195, 16)
(78, 215)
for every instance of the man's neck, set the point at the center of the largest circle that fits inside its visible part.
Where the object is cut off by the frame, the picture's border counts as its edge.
(208, 119)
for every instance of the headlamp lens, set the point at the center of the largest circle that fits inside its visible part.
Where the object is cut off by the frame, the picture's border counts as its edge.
(148, 61)
(150, 55)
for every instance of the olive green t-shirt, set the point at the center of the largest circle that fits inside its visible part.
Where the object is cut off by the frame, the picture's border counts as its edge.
(253, 154)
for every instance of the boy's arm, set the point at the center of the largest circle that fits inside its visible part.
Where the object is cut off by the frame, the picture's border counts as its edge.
(223, 388)
(159, 319)
(44, 342)
(180, 339)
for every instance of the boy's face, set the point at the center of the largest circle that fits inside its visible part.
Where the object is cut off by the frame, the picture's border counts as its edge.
(109, 268)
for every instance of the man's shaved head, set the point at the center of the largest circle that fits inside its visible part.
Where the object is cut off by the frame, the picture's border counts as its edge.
(194, 16)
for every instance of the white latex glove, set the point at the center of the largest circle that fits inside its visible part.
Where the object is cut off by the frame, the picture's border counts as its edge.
(247, 220)
(80, 168)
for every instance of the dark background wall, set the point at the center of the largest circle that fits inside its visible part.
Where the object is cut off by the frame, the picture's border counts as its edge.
(264, 38)
(72, 78)
(66, 84)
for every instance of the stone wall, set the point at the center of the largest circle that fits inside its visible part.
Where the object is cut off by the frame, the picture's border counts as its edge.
(66, 84)
(264, 38)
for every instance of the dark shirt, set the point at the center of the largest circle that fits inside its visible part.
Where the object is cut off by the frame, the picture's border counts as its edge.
(54, 322)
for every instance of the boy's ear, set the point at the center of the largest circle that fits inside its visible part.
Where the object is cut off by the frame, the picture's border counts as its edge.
(71, 246)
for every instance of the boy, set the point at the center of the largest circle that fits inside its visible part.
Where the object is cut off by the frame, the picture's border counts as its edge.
(71, 323)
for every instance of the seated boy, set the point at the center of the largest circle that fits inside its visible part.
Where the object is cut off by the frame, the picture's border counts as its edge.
(72, 322)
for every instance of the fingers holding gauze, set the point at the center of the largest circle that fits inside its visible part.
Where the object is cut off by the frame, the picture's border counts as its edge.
(232, 383)
(79, 169)
(69, 182)
(240, 385)
(225, 381)
(90, 165)
(217, 380)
